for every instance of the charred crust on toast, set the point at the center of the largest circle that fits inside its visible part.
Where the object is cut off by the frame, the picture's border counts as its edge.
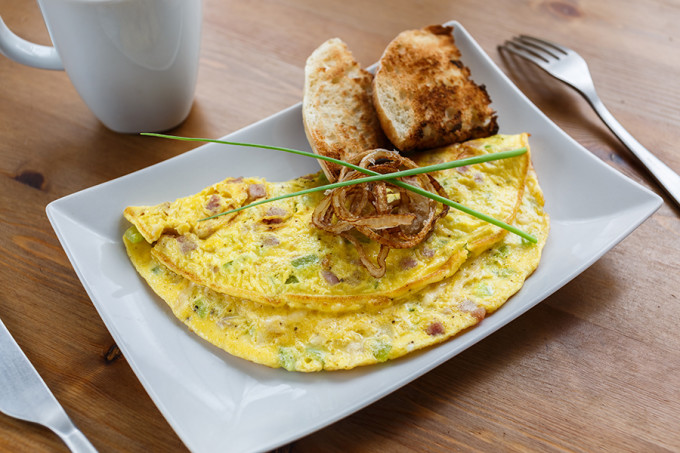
(424, 95)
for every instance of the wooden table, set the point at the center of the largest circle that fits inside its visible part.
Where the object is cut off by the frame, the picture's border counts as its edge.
(596, 366)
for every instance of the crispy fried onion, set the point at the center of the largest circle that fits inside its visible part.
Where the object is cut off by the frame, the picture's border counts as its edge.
(390, 215)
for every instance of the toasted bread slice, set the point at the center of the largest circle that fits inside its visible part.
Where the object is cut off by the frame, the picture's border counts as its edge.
(423, 94)
(337, 107)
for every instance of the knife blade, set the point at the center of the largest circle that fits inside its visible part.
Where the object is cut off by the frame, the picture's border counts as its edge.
(24, 395)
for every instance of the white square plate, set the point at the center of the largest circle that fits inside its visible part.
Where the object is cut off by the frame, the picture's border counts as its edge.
(216, 402)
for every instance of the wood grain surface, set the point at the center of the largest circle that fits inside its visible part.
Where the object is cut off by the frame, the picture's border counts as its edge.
(595, 367)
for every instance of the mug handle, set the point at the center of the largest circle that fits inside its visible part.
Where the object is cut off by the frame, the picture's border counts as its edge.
(26, 52)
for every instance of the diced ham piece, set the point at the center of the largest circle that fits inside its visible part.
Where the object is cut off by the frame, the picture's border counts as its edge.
(256, 191)
(275, 214)
(479, 313)
(186, 244)
(330, 277)
(276, 211)
(270, 240)
(213, 203)
(475, 310)
(408, 263)
(428, 252)
(435, 328)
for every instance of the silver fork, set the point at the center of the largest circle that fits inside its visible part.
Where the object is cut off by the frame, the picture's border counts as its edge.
(568, 66)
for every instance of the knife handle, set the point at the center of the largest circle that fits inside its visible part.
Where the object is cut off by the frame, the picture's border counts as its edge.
(75, 440)
(78, 443)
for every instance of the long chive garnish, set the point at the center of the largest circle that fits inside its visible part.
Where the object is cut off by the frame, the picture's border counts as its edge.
(418, 190)
(375, 176)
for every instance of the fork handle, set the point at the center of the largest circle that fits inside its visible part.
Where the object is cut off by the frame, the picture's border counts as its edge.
(664, 175)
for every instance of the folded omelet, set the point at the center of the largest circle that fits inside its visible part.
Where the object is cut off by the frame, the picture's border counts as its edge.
(308, 338)
(273, 255)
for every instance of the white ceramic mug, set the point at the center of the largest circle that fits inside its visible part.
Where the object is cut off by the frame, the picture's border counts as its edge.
(133, 62)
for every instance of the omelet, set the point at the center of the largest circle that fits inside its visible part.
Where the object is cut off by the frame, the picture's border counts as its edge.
(305, 339)
(273, 256)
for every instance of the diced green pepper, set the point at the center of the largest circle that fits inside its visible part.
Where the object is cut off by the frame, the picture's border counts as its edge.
(315, 353)
(381, 350)
(287, 358)
(305, 260)
(504, 272)
(200, 308)
(133, 235)
(503, 251)
(483, 290)
(292, 279)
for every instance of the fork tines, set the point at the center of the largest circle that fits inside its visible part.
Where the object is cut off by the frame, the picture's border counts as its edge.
(537, 50)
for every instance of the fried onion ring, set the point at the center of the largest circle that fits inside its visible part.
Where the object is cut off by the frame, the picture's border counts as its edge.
(380, 210)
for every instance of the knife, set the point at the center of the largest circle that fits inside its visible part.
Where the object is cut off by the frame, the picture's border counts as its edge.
(24, 395)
